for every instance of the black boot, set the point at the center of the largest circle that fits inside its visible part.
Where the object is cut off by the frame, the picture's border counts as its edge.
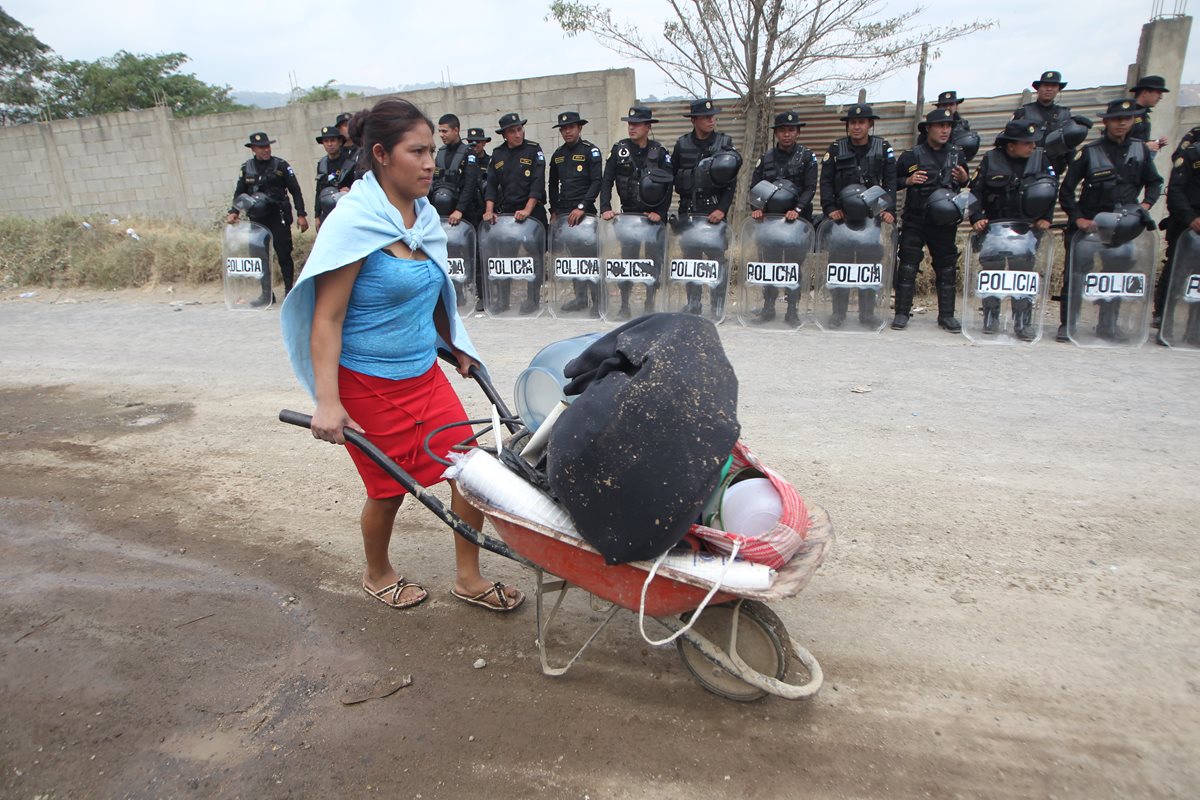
(695, 294)
(580, 301)
(1107, 328)
(991, 314)
(792, 317)
(651, 295)
(866, 309)
(504, 295)
(906, 287)
(767, 312)
(1023, 320)
(1192, 333)
(841, 301)
(947, 292)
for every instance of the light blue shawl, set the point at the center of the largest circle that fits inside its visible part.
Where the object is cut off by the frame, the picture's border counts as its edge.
(362, 222)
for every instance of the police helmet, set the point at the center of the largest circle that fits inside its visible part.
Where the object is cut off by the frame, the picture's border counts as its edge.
(1116, 228)
(969, 142)
(724, 168)
(655, 186)
(1038, 197)
(257, 204)
(850, 200)
(942, 209)
(443, 199)
(1068, 137)
(777, 197)
(328, 198)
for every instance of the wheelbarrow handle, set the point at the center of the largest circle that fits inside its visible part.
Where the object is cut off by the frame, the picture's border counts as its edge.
(485, 383)
(424, 496)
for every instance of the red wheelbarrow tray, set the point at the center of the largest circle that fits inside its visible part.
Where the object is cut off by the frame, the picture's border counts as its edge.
(671, 592)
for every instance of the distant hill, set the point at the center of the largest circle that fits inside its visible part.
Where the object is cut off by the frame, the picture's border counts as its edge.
(1189, 94)
(275, 99)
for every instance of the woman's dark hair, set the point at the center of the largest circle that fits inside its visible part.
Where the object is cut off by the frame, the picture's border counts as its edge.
(385, 124)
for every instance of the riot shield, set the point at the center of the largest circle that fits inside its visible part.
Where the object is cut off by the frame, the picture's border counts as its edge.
(575, 274)
(513, 255)
(773, 255)
(852, 274)
(461, 258)
(1009, 261)
(1181, 314)
(246, 247)
(1111, 290)
(698, 259)
(633, 251)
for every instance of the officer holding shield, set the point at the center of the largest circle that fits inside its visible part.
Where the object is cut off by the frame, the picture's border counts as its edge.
(793, 163)
(931, 174)
(1183, 205)
(576, 171)
(700, 195)
(267, 180)
(1113, 171)
(1014, 181)
(455, 174)
(1147, 93)
(857, 159)
(1050, 118)
(630, 162)
(335, 171)
(516, 184)
(478, 139)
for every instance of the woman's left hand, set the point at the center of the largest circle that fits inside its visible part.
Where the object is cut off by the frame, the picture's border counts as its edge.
(464, 363)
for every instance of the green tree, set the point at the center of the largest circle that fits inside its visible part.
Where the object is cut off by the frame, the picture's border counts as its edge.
(127, 81)
(24, 63)
(315, 94)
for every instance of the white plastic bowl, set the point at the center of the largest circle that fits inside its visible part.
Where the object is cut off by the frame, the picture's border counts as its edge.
(750, 507)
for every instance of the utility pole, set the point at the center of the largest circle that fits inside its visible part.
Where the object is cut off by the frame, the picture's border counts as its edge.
(920, 90)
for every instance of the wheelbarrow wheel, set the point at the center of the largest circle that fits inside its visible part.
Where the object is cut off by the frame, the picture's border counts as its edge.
(762, 644)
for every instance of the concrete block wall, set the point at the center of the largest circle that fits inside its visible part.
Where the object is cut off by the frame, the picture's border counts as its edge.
(149, 163)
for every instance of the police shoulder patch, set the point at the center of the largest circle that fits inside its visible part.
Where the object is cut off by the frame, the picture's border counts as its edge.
(666, 157)
(828, 155)
(471, 159)
(541, 158)
(758, 163)
(1178, 162)
(595, 152)
(496, 165)
(913, 168)
(1050, 171)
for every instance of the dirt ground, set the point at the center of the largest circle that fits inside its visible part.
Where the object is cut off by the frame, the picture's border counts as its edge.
(1012, 608)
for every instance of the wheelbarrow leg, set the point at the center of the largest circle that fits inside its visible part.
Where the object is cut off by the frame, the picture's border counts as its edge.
(559, 586)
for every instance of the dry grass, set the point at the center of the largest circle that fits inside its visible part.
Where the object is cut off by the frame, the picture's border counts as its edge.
(62, 252)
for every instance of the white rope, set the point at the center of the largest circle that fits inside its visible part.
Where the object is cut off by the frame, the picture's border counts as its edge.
(737, 544)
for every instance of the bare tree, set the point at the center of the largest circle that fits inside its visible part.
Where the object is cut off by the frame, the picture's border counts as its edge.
(755, 49)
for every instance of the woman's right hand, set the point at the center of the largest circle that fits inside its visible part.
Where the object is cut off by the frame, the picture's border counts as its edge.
(328, 421)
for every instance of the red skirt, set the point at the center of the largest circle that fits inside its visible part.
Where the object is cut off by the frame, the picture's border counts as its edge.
(396, 416)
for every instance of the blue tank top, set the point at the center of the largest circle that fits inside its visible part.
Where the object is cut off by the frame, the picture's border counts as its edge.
(388, 331)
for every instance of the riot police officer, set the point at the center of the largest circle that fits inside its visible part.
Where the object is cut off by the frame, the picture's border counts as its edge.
(335, 172)
(1183, 204)
(701, 195)
(787, 161)
(929, 220)
(516, 184)
(478, 140)
(863, 159)
(1113, 171)
(1052, 118)
(576, 170)
(267, 180)
(455, 186)
(628, 169)
(1014, 181)
(1147, 93)
(961, 134)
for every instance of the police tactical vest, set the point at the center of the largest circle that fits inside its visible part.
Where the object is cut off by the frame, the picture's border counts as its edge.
(1107, 185)
(1003, 187)
(629, 169)
(939, 174)
(449, 175)
(793, 168)
(1048, 119)
(333, 175)
(270, 179)
(691, 154)
(849, 171)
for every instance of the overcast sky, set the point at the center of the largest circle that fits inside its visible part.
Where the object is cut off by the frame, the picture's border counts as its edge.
(259, 45)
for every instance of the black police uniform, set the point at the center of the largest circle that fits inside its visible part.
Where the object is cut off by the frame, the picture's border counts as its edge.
(275, 178)
(335, 173)
(917, 232)
(514, 175)
(999, 185)
(872, 163)
(1183, 206)
(626, 166)
(701, 200)
(1141, 127)
(798, 165)
(1113, 174)
(456, 168)
(1048, 118)
(576, 171)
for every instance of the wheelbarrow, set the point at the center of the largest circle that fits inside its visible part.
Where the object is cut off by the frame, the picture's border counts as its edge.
(729, 639)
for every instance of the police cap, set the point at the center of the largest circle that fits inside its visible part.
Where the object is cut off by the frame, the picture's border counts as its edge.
(1155, 83)
(1018, 130)
(787, 118)
(259, 139)
(330, 132)
(936, 116)
(509, 120)
(702, 108)
(859, 111)
(569, 118)
(1051, 76)
(476, 135)
(342, 117)
(1121, 108)
(640, 114)
(949, 98)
